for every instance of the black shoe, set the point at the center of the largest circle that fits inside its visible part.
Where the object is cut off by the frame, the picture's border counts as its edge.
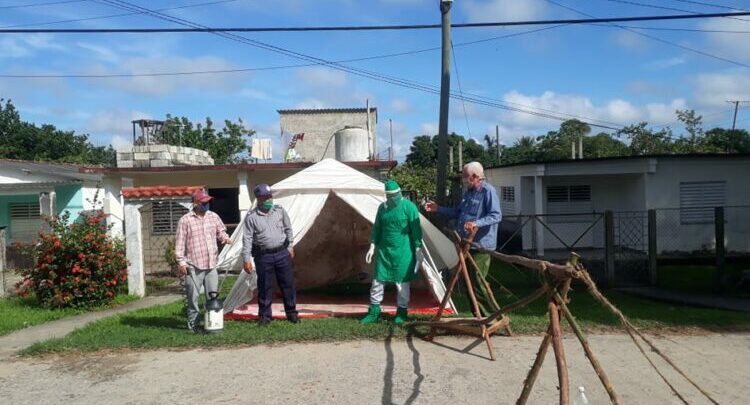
(264, 322)
(194, 329)
(293, 318)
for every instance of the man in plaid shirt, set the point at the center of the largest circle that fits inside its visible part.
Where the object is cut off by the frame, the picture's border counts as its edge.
(196, 251)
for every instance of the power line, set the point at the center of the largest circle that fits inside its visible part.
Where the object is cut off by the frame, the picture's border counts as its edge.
(118, 15)
(664, 41)
(359, 72)
(362, 27)
(639, 4)
(460, 91)
(710, 5)
(49, 3)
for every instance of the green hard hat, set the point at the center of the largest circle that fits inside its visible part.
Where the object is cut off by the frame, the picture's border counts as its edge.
(391, 187)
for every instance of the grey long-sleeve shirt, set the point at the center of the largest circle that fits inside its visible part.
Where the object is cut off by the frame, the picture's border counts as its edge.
(266, 229)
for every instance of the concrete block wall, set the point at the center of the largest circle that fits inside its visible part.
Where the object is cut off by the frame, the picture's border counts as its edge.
(319, 127)
(162, 156)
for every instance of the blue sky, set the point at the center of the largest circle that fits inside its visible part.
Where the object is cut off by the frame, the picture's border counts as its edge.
(601, 73)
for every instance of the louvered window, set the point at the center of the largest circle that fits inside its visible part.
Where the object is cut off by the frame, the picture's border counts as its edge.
(698, 200)
(508, 200)
(25, 221)
(164, 217)
(562, 201)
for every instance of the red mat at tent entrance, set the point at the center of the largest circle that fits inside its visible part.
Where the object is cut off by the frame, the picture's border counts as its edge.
(323, 306)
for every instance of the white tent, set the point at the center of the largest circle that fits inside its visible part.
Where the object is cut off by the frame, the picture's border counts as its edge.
(322, 194)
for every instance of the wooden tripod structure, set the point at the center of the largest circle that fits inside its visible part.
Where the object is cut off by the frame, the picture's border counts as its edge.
(476, 326)
(556, 280)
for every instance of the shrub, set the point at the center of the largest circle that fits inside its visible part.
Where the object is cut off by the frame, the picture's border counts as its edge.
(77, 265)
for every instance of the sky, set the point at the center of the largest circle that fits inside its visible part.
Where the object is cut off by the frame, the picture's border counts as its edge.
(603, 74)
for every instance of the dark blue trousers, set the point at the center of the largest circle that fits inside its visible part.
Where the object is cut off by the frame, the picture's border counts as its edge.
(280, 264)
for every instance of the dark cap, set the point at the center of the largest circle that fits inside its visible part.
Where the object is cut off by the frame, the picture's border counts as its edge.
(262, 190)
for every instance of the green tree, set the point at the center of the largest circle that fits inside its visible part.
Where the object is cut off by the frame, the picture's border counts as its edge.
(603, 145)
(26, 141)
(693, 141)
(556, 145)
(720, 140)
(418, 179)
(424, 148)
(524, 149)
(421, 152)
(225, 146)
(645, 141)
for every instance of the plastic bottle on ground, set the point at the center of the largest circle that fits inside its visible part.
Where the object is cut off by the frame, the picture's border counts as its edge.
(581, 397)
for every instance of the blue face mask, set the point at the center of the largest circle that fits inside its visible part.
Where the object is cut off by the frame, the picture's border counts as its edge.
(205, 206)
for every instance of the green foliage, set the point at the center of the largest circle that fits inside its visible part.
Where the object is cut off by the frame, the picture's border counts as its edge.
(720, 140)
(225, 146)
(77, 265)
(420, 180)
(26, 141)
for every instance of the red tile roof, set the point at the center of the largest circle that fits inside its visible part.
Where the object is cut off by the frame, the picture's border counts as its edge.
(159, 191)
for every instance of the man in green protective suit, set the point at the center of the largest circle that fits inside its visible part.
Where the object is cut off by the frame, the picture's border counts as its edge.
(396, 242)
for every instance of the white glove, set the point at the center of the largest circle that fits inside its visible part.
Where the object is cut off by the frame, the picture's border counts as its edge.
(368, 257)
(419, 256)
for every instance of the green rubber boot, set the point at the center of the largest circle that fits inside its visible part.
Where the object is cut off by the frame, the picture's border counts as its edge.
(373, 315)
(401, 316)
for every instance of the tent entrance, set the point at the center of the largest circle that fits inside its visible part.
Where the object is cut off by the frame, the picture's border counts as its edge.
(331, 276)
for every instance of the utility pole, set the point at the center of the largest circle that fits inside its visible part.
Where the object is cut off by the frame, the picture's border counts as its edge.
(445, 86)
(390, 129)
(736, 107)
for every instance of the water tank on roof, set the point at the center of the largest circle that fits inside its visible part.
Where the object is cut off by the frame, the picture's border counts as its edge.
(352, 144)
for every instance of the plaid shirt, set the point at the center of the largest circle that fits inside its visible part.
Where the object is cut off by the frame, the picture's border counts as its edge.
(196, 239)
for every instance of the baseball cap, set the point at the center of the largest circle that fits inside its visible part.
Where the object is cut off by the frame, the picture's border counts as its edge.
(201, 196)
(262, 190)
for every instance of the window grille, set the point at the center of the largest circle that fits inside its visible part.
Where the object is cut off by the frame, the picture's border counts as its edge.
(164, 217)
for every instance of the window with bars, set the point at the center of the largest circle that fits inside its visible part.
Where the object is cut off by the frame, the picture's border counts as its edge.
(698, 199)
(24, 210)
(164, 217)
(564, 201)
(25, 221)
(508, 200)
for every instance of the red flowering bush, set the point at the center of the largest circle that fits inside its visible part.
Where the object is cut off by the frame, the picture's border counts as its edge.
(77, 265)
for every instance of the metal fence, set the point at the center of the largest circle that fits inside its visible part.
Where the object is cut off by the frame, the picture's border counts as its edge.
(623, 248)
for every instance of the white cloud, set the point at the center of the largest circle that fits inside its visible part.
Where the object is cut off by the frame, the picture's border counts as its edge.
(666, 63)
(320, 77)
(502, 10)
(428, 128)
(163, 85)
(25, 46)
(401, 106)
(714, 89)
(101, 52)
(630, 40)
(733, 46)
(113, 126)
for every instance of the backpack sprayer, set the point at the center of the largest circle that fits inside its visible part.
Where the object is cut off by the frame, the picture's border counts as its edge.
(213, 320)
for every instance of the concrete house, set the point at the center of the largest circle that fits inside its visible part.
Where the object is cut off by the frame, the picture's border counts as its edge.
(570, 196)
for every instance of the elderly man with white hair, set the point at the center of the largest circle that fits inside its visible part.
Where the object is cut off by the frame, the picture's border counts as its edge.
(479, 209)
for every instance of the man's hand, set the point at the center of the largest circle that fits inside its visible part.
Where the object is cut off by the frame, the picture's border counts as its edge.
(248, 267)
(291, 252)
(182, 269)
(470, 226)
(430, 206)
(370, 252)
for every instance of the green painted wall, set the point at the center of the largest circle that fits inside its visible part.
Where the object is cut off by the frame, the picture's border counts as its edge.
(5, 201)
(69, 198)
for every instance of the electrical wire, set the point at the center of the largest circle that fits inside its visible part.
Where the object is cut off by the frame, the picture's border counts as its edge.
(49, 3)
(710, 5)
(460, 91)
(639, 4)
(209, 3)
(362, 27)
(664, 41)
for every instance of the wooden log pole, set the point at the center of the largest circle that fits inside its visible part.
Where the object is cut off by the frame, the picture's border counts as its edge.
(557, 346)
(528, 383)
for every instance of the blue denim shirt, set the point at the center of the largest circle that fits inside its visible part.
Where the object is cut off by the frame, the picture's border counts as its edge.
(481, 206)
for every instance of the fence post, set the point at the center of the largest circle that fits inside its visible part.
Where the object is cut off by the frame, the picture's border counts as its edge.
(652, 246)
(609, 247)
(2, 261)
(720, 253)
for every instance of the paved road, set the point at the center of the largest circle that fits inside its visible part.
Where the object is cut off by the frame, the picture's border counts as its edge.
(375, 372)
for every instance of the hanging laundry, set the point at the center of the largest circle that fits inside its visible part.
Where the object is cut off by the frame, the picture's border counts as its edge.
(261, 149)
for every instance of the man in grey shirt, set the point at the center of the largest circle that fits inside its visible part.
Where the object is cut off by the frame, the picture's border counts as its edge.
(267, 240)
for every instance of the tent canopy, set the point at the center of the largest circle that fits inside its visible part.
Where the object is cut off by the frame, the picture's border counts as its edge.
(331, 199)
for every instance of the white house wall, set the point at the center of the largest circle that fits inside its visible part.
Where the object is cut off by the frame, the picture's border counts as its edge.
(663, 191)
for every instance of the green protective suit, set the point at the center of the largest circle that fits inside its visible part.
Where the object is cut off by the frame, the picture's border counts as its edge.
(396, 234)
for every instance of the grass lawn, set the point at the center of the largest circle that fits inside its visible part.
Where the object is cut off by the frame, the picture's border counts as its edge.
(164, 326)
(695, 278)
(18, 313)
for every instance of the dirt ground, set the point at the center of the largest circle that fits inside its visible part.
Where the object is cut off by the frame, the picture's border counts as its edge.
(372, 372)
